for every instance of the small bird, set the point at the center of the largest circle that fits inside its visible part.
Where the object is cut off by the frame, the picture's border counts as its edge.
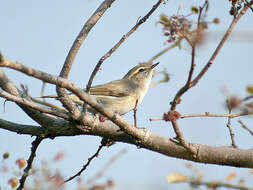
(122, 95)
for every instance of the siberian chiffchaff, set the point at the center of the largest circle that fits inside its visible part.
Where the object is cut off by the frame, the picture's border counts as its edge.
(122, 95)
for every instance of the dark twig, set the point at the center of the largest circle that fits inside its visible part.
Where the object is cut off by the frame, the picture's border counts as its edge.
(88, 162)
(35, 145)
(247, 98)
(245, 127)
(116, 46)
(232, 135)
(249, 5)
(107, 165)
(135, 113)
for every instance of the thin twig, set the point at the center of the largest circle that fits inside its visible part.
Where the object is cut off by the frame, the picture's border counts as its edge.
(43, 88)
(35, 145)
(45, 103)
(135, 113)
(176, 44)
(249, 5)
(247, 98)
(207, 114)
(117, 45)
(88, 162)
(232, 135)
(107, 165)
(245, 127)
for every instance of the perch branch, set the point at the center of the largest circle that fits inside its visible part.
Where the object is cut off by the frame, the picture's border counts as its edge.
(64, 98)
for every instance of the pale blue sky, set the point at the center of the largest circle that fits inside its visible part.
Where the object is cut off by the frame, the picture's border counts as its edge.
(40, 33)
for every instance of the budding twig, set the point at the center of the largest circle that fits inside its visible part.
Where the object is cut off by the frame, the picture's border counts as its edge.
(232, 135)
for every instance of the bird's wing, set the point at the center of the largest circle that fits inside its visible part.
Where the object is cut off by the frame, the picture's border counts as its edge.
(117, 88)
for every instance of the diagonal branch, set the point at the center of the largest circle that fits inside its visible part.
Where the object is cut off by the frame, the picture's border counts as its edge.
(117, 45)
(88, 162)
(64, 98)
(64, 83)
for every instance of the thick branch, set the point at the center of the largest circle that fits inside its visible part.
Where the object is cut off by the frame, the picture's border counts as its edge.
(205, 154)
(22, 129)
(64, 83)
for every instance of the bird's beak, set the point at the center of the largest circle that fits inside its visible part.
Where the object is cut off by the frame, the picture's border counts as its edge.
(154, 65)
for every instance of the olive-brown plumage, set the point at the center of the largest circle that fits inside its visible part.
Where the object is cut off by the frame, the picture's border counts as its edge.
(121, 95)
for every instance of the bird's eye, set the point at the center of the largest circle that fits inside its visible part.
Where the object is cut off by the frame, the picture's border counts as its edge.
(141, 70)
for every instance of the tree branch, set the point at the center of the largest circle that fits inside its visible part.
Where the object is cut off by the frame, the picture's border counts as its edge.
(116, 46)
(88, 162)
(186, 87)
(64, 83)
(35, 145)
(64, 98)
(205, 154)
(217, 50)
(31, 104)
(7, 85)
